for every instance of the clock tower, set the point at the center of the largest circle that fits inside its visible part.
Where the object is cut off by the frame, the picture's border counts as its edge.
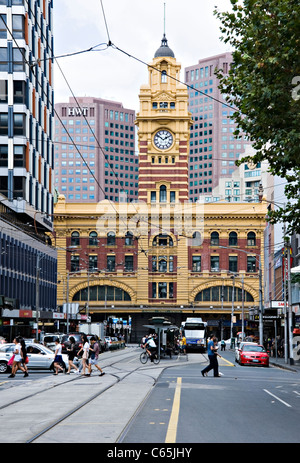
(163, 131)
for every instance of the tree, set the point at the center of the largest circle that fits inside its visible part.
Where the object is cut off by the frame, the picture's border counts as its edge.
(263, 87)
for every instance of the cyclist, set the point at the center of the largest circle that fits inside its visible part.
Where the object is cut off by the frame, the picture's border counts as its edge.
(150, 347)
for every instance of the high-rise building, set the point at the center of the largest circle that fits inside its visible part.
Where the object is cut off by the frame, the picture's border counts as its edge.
(27, 262)
(213, 146)
(95, 155)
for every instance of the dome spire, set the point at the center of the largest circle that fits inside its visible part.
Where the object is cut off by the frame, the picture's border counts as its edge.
(164, 49)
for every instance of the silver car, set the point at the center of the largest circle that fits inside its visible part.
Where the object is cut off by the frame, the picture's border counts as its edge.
(40, 357)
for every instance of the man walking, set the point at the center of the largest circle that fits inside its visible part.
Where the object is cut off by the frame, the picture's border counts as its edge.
(212, 356)
(94, 357)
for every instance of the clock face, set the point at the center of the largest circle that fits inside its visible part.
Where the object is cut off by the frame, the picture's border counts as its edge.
(163, 139)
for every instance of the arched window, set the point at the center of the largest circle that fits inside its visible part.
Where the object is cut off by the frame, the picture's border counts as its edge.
(251, 239)
(162, 240)
(93, 239)
(128, 239)
(111, 239)
(102, 293)
(75, 239)
(164, 77)
(214, 239)
(233, 239)
(196, 239)
(219, 293)
(163, 194)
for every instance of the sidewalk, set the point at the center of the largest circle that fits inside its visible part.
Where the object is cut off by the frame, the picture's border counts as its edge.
(280, 362)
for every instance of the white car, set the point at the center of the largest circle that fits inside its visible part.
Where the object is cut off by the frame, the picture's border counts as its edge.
(238, 349)
(40, 357)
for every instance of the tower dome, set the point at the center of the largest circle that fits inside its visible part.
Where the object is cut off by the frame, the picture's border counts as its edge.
(164, 49)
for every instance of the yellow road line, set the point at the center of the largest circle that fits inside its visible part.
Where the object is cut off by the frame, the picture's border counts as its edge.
(227, 361)
(173, 423)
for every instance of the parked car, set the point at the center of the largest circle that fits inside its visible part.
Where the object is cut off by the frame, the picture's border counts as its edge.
(49, 340)
(238, 349)
(40, 357)
(254, 354)
(113, 343)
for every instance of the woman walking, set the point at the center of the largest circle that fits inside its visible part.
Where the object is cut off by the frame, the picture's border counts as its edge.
(85, 356)
(58, 357)
(24, 356)
(71, 355)
(17, 359)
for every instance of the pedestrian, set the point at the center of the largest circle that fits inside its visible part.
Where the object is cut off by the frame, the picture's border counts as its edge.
(184, 344)
(94, 355)
(71, 355)
(85, 356)
(24, 356)
(223, 345)
(17, 358)
(58, 357)
(212, 356)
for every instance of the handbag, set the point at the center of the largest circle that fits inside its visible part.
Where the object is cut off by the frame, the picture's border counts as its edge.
(26, 360)
(11, 360)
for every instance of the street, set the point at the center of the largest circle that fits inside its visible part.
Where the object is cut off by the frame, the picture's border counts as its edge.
(169, 403)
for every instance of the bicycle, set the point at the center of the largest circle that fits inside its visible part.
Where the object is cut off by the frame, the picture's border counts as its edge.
(145, 356)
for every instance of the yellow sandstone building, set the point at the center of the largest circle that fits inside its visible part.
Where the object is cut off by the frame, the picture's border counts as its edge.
(163, 254)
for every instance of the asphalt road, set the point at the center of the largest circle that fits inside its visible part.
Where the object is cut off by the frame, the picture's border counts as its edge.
(245, 405)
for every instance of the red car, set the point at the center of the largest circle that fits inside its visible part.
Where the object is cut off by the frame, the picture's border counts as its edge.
(253, 355)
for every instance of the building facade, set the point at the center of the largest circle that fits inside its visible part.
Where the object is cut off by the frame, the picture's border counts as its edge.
(213, 146)
(95, 156)
(27, 260)
(163, 254)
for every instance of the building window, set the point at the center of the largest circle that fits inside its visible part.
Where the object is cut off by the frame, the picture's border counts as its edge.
(251, 239)
(251, 264)
(163, 194)
(164, 77)
(19, 156)
(233, 264)
(128, 264)
(102, 293)
(93, 263)
(18, 60)
(214, 239)
(233, 239)
(162, 240)
(19, 92)
(3, 156)
(18, 26)
(93, 239)
(111, 239)
(4, 124)
(75, 239)
(172, 196)
(128, 239)
(214, 263)
(153, 196)
(19, 124)
(3, 91)
(111, 263)
(196, 264)
(74, 263)
(219, 293)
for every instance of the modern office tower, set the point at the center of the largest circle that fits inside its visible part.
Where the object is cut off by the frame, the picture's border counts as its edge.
(26, 154)
(213, 147)
(95, 155)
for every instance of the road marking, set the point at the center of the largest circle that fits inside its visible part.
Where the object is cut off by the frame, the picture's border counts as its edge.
(296, 392)
(282, 401)
(173, 423)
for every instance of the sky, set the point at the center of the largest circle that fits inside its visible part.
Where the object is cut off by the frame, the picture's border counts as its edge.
(136, 27)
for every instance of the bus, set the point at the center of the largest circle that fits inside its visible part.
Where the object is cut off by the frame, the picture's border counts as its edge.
(195, 332)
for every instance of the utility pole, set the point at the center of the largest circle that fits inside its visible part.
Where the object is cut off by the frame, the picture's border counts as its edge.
(37, 294)
(290, 327)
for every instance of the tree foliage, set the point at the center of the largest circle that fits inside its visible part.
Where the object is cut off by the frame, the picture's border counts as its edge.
(263, 86)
